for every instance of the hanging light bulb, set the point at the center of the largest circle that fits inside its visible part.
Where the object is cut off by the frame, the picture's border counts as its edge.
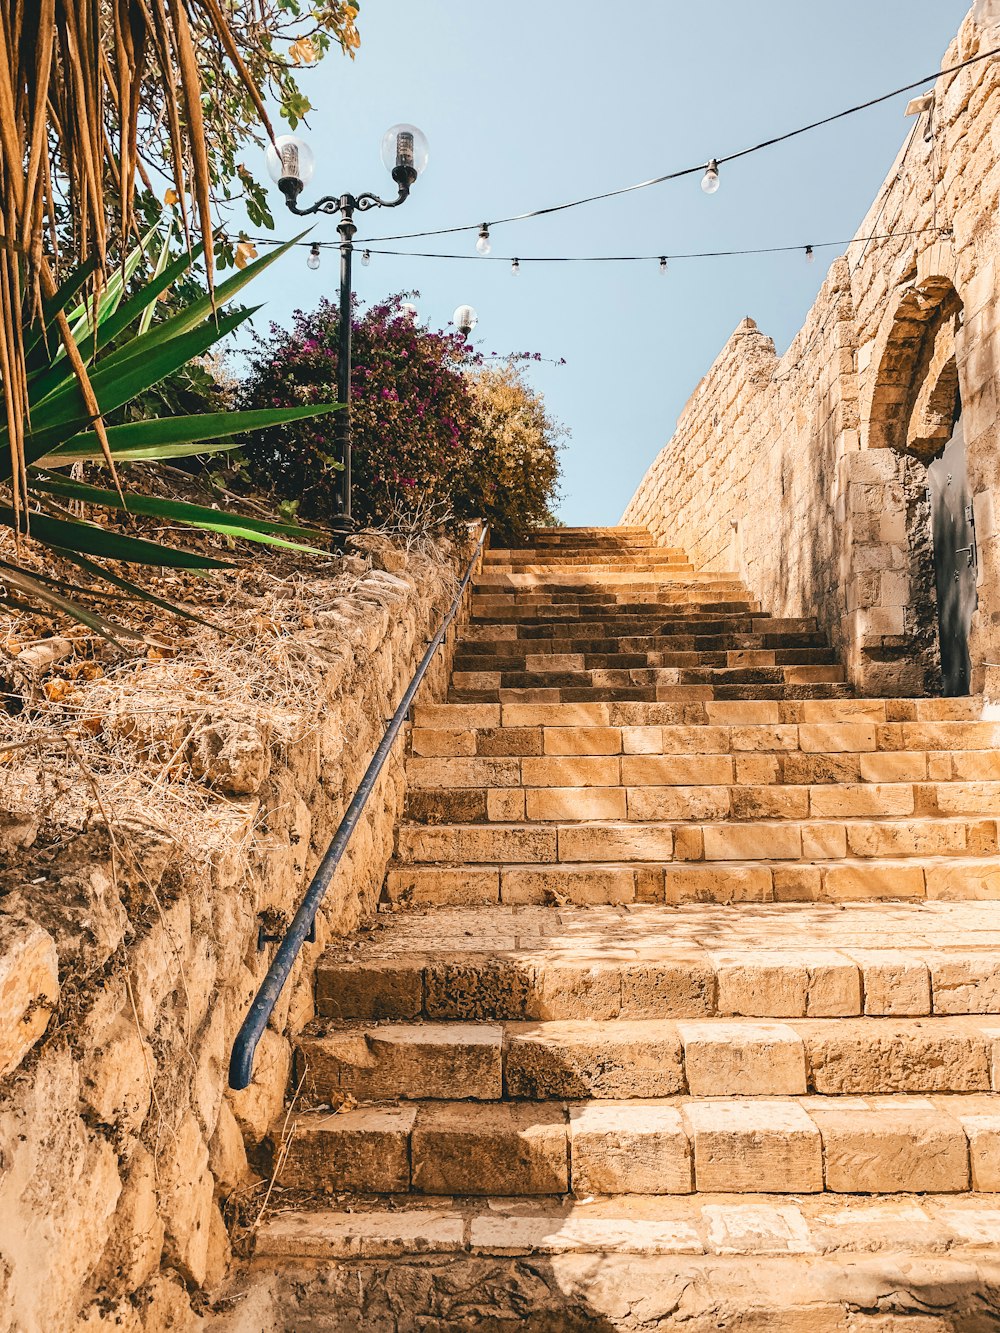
(483, 246)
(663, 263)
(313, 260)
(710, 180)
(810, 255)
(366, 257)
(465, 320)
(515, 267)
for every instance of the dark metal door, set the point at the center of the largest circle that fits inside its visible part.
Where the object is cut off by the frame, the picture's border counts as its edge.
(954, 560)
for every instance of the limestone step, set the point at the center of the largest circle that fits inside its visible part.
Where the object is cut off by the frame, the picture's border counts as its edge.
(624, 1059)
(550, 676)
(522, 962)
(753, 1225)
(682, 1145)
(650, 694)
(541, 580)
(615, 649)
(555, 658)
(591, 788)
(604, 622)
(739, 713)
(914, 878)
(877, 752)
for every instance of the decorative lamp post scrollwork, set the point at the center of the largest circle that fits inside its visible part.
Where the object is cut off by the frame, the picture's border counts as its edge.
(291, 164)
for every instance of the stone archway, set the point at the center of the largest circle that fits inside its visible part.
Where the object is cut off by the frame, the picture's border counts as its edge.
(910, 407)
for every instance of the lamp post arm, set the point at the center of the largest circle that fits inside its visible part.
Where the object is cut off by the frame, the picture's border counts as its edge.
(339, 203)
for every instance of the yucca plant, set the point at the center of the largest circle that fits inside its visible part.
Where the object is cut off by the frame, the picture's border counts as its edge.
(125, 352)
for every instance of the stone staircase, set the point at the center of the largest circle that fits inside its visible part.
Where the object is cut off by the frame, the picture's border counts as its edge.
(684, 1010)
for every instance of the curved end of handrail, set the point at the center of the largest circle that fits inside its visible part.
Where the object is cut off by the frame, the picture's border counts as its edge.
(241, 1066)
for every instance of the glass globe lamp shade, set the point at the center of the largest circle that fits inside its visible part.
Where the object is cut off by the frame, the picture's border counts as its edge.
(710, 180)
(465, 319)
(409, 311)
(290, 158)
(404, 153)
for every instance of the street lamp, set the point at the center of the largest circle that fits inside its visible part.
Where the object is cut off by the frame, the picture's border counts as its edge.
(465, 320)
(290, 163)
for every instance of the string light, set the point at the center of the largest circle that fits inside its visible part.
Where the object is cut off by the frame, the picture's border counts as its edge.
(810, 255)
(693, 170)
(313, 260)
(366, 257)
(663, 264)
(515, 267)
(483, 244)
(710, 180)
(842, 244)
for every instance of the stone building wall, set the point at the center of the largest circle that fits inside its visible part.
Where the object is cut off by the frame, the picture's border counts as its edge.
(124, 978)
(806, 473)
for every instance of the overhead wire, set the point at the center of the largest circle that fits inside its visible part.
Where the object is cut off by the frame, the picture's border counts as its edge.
(721, 160)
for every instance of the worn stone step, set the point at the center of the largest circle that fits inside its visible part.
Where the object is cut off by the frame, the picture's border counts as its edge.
(640, 1058)
(744, 657)
(590, 788)
(740, 713)
(682, 1145)
(850, 879)
(651, 694)
(480, 648)
(548, 675)
(706, 841)
(515, 962)
(666, 756)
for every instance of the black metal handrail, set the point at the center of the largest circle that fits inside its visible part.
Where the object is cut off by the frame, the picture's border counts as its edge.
(301, 928)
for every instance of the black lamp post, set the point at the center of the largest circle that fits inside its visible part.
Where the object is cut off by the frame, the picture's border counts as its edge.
(291, 164)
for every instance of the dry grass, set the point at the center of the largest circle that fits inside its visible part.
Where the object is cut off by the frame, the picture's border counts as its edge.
(112, 736)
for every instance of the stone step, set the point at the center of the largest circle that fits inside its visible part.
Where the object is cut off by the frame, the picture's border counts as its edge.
(542, 581)
(479, 644)
(757, 754)
(558, 1060)
(651, 694)
(527, 660)
(546, 675)
(799, 961)
(680, 1145)
(703, 845)
(946, 878)
(591, 788)
(675, 601)
(738, 713)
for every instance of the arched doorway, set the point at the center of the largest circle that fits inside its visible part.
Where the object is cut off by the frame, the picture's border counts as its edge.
(916, 411)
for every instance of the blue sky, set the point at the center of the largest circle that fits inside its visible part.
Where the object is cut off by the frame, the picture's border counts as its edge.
(526, 106)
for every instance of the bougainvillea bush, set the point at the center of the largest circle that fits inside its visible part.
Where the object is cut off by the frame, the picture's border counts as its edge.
(428, 436)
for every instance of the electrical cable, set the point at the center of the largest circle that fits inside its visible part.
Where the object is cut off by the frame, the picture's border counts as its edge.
(690, 171)
(619, 259)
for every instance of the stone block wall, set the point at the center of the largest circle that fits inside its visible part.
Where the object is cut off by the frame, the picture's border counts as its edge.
(126, 972)
(806, 473)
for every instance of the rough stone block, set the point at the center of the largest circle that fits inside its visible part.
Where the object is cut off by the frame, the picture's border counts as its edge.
(892, 1149)
(583, 1060)
(493, 1149)
(629, 1148)
(367, 1150)
(742, 1059)
(756, 1146)
(29, 988)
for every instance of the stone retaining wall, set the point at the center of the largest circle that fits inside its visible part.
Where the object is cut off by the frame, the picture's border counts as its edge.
(805, 473)
(124, 978)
